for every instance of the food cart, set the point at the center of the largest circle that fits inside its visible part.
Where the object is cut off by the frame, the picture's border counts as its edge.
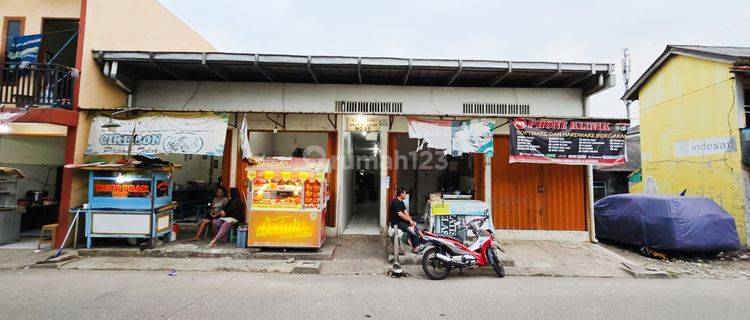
(287, 200)
(128, 202)
(450, 216)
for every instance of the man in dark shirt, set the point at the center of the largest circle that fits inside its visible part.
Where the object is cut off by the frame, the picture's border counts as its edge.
(401, 219)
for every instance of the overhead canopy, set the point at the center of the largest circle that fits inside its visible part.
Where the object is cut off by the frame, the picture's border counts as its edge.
(128, 67)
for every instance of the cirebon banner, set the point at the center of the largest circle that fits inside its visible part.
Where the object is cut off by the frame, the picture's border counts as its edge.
(158, 133)
(568, 141)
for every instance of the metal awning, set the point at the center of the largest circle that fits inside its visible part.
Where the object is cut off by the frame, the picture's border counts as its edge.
(128, 67)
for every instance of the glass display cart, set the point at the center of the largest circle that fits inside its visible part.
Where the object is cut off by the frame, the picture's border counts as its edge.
(287, 200)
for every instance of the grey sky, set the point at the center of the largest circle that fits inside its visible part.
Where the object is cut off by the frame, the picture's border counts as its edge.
(577, 31)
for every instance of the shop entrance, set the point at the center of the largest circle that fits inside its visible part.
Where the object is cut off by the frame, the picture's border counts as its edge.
(429, 171)
(528, 196)
(365, 184)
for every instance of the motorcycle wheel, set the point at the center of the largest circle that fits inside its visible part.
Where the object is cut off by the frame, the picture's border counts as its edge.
(494, 260)
(433, 267)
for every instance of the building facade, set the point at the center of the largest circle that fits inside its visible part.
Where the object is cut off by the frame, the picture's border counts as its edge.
(693, 107)
(70, 30)
(136, 55)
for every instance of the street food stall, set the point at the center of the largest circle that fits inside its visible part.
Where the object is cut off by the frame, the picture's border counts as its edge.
(287, 200)
(128, 201)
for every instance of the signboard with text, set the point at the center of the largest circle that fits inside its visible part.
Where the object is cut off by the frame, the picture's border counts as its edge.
(157, 133)
(568, 141)
(281, 228)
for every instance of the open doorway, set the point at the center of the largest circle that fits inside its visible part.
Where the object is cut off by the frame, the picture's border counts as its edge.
(365, 185)
(430, 171)
(59, 41)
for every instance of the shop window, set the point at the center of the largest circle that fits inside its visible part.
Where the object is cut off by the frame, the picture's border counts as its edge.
(12, 27)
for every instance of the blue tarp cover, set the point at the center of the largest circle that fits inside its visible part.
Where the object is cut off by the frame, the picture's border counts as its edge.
(669, 223)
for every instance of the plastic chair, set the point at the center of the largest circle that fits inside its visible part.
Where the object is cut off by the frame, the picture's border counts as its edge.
(201, 210)
(52, 228)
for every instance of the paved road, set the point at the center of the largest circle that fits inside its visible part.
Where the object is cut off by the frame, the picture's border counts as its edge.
(55, 294)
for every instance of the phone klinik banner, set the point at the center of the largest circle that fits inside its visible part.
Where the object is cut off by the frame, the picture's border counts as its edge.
(568, 141)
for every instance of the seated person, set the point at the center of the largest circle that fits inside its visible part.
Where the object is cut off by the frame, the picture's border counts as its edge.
(401, 219)
(233, 213)
(217, 205)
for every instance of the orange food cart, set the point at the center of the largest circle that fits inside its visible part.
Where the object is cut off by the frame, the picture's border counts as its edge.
(287, 200)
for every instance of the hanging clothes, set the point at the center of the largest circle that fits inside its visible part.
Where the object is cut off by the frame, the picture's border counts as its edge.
(23, 50)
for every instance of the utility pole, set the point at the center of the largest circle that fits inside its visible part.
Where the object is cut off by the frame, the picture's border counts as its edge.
(626, 77)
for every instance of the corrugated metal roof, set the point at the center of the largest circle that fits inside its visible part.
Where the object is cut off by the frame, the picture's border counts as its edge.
(732, 55)
(131, 66)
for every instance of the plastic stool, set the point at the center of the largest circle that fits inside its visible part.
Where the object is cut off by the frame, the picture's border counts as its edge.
(52, 228)
(233, 233)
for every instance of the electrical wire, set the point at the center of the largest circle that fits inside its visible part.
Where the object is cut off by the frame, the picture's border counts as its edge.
(684, 95)
(43, 33)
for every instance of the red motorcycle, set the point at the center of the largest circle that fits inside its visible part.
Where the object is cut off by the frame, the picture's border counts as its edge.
(443, 253)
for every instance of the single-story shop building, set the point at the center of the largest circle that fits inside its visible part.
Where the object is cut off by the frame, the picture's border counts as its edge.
(356, 111)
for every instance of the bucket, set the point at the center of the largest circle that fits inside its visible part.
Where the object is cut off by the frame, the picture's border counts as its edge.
(242, 237)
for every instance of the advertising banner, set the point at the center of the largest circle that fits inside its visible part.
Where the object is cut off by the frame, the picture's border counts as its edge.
(158, 134)
(456, 137)
(568, 141)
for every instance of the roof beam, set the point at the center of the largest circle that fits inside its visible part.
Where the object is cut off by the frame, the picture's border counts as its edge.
(310, 70)
(162, 68)
(585, 77)
(263, 72)
(458, 72)
(212, 70)
(408, 71)
(547, 79)
(502, 76)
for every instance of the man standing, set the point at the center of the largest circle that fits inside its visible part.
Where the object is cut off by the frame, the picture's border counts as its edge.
(401, 219)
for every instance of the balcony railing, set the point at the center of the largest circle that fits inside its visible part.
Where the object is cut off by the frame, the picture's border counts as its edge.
(36, 85)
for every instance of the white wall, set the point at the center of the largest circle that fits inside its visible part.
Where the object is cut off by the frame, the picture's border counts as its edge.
(287, 97)
(284, 143)
(37, 156)
(345, 181)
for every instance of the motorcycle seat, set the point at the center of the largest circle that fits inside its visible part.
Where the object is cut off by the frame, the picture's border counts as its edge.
(448, 237)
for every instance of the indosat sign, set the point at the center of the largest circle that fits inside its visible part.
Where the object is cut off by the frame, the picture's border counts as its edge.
(158, 134)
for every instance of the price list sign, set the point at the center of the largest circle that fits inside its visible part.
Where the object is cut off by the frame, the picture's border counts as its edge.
(568, 141)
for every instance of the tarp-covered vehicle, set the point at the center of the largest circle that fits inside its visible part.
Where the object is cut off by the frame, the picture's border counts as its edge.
(666, 223)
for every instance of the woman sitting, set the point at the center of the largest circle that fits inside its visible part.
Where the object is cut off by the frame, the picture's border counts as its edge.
(233, 213)
(217, 206)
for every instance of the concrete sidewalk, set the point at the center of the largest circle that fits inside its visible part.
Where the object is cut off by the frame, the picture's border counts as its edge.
(348, 256)
(546, 258)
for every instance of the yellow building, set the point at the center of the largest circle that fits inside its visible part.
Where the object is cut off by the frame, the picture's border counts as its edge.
(693, 106)
(55, 121)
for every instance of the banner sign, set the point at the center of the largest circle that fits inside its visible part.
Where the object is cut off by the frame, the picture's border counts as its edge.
(456, 137)
(568, 141)
(158, 134)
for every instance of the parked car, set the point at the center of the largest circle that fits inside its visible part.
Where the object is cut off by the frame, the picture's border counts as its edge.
(666, 223)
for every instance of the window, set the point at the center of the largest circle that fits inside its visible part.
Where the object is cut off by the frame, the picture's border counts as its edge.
(12, 27)
(746, 93)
